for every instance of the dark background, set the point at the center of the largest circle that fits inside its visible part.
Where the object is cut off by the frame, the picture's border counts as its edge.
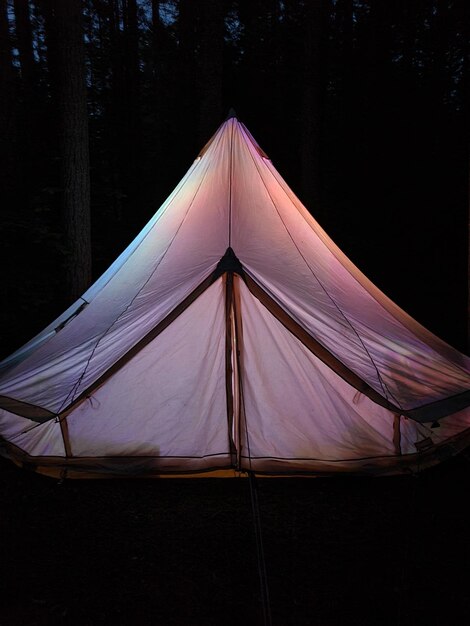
(172, 552)
(363, 107)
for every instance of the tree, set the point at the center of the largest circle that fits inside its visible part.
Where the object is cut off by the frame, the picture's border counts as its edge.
(24, 42)
(7, 109)
(211, 49)
(74, 145)
(186, 75)
(130, 111)
(313, 101)
(27, 129)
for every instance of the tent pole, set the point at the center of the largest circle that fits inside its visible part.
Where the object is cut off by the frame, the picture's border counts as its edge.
(239, 415)
(397, 433)
(262, 571)
(228, 364)
(64, 429)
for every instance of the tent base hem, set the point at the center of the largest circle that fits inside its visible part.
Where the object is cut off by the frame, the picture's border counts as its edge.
(220, 466)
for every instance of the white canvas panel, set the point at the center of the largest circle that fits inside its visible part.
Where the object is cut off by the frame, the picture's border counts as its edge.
(169, 399)
(34, 439)
(298, 408)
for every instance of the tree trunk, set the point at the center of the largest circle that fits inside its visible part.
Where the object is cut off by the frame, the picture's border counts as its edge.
(186, 71)
(211, 50)
(377, 105)
(52, 54)
(113, 114)
(156, 27)
(24, 42)
(131, 118)
(74, 145)
(345, 127)
(465, 90)
(27, 128)
(313, 104)
(7, 110)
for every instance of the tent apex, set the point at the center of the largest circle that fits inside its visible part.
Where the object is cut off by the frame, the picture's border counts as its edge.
(231, 113)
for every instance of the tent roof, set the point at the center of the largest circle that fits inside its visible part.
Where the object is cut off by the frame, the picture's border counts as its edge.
(232, 215)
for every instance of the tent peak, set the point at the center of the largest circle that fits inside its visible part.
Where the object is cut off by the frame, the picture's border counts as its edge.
(231, 114)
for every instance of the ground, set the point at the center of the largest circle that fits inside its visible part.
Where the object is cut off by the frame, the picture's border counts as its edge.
(182, 552)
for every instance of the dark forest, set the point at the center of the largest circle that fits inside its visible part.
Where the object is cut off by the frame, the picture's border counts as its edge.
(363, 106)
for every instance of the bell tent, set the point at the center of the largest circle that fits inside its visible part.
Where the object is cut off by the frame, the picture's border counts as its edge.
(233, 335)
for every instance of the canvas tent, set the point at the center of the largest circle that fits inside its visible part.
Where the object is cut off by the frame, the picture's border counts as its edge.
(233, 335)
